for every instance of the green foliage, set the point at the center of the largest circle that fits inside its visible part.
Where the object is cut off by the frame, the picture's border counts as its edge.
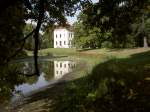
(43, 39)
(107, 44)
(29, 44)
(11, 30)
(118, 16)
(55, 10)
(86, 37)
(9, 77)
(48, 38)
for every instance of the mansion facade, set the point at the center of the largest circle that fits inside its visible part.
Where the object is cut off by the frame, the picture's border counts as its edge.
(63, 38)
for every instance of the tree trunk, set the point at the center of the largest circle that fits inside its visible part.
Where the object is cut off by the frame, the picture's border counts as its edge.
(145, 43)
(36, 36)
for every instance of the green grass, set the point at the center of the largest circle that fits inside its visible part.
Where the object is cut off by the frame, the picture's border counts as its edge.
(104, 51)
(120, 83)
(54, 51)
(109, 80)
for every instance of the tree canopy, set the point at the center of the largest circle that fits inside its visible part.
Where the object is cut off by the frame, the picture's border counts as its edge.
(118, 16)
(11, 31)
(43, 12)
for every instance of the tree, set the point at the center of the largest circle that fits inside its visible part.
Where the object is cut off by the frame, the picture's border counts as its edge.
(117, 15)
(41, 11)
(50, 12)
(86, 37)
(11, 31)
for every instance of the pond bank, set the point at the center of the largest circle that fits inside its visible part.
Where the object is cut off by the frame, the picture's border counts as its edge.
(37, 100)
(108, 62)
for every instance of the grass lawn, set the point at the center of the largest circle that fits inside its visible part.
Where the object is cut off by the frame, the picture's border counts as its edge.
(120, 83)
(56, 51)
(118, 80)
(73, 51)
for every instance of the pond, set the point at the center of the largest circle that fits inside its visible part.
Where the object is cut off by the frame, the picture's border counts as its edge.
(19, 80)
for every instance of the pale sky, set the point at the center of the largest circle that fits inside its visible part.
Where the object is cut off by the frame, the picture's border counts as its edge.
(71, 20)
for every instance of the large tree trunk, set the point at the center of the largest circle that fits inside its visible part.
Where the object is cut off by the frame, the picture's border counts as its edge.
(36, 36)
(145, 42)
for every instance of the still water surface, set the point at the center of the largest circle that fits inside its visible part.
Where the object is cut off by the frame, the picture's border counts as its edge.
(26, 83)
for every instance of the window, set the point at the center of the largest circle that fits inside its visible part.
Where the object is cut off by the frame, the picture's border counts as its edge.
(60, 35)
(60, 43)
(56, 35)
(56, 65)
(56, 72)
(64, 65)
(64, 42)
(60, 65)
(70, 35)
(56, 42)
(61, 72)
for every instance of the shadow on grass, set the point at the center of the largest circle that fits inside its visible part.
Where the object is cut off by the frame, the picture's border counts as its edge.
(118, 85)
(119, 49)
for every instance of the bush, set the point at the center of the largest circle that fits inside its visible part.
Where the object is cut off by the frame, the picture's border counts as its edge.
(107, 44)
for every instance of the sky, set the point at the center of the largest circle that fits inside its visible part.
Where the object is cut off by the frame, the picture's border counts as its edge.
(71, 20)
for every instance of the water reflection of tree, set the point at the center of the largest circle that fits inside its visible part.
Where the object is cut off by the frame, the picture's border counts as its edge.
(29, 69)
(48, 69)
(31, 80)
(9, 77)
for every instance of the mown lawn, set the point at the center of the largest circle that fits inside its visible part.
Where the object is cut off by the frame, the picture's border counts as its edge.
(119, 84)
(54, 51)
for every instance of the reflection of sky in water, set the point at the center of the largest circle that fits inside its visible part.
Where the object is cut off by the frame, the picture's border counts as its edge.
(58, 69)
(26, 88)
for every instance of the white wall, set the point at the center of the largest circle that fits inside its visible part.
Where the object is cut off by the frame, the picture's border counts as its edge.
(63, 38)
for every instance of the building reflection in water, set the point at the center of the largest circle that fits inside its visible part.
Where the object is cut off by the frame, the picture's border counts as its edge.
(50, 71)
(63, 67)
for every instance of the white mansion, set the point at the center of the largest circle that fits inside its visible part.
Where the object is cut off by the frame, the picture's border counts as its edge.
(63, 37)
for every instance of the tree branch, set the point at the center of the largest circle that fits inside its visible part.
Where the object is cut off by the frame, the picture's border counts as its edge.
(28, 35)
(20, 49)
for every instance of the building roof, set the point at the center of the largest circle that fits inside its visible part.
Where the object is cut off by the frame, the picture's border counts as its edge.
(68, 27)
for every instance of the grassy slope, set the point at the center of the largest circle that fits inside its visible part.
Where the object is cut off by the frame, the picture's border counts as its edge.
(118, 82)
